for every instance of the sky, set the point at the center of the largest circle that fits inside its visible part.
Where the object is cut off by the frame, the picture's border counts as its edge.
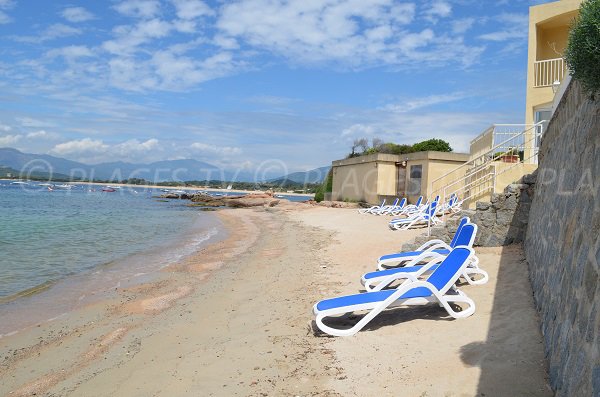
(239, 84)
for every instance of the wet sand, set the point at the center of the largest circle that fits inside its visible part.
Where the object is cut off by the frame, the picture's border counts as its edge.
(235, 320)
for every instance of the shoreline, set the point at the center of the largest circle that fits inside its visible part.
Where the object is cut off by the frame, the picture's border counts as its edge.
(235, 319)
(95, 284)
(192, 188)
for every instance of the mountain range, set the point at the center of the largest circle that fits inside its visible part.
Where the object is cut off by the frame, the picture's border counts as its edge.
(160, 171)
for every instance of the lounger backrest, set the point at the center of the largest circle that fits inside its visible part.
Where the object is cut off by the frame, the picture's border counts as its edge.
(395, 202)
(432, 207)
(466, 235)
(419, 201)
(462, 222)
(446, 274)
(402, 203)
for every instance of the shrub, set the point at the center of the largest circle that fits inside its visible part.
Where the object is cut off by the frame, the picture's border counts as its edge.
(438, 145)
(326, 187)
(583, 49)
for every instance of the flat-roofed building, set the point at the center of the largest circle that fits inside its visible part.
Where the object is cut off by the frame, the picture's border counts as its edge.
(372, 178)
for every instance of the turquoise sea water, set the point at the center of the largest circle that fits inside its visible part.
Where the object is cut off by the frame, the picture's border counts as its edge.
(83, 241)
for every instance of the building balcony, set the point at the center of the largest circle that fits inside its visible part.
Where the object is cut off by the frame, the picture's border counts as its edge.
(548, 72)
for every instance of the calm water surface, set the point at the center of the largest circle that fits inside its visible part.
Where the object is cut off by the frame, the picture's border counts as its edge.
(84, 241)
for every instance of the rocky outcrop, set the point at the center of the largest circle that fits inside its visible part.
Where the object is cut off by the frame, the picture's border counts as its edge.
(240, 201)
(335, 204)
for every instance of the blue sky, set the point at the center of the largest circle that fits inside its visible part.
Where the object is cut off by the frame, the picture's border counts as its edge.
(237, 83)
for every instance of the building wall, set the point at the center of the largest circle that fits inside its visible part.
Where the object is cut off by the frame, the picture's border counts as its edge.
(411, 194)
(356, 182)
(373, 177)
(548, 29)
(387, 175)
(439, 168)
(562, 244)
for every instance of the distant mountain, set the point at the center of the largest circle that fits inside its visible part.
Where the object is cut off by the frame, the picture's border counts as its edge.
(317, 175)
(169, 170)
(7, 172)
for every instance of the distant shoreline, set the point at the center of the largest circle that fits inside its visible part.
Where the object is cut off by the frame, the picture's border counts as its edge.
(174, 187)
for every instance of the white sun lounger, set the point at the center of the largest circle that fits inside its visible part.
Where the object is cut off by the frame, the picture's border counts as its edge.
(438, 288)
(424, 216)
(435, 251)
(373, 208)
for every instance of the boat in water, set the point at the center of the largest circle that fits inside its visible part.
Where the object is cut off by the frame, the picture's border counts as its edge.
(109, 189)
(64, 187)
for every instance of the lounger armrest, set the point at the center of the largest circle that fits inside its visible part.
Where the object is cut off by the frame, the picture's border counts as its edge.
(410, 278)
(427, 266)
(430, 243)
(431, 255)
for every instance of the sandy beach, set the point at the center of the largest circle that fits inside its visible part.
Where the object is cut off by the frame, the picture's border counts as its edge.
(235, 318)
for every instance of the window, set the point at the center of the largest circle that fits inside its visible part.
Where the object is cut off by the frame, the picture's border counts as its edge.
(414, 182)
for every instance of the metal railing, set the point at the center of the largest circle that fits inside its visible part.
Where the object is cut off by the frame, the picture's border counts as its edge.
(548, 72)
(511, 143)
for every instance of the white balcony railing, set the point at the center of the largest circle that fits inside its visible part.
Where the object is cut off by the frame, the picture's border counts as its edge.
(548, 71)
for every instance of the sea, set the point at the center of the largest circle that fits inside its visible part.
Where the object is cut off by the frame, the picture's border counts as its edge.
(64, 248)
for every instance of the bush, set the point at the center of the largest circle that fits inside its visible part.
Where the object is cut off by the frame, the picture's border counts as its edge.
(583, 49)
(438, 145)
(326, 187)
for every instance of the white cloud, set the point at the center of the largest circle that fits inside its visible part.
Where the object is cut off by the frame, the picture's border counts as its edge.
(77, 14)
(9, 140)
(215, 150)
(82, 147)
(5, 128)
(462, 25)
(71, 53)
(129, 38)
(59, 30)
(55, 31)
(34, 123)
(351, 31)
(89, 150)
(514, 26)
(417, 103)
(139, 8)
(42, 134)
(359, 130)
(4, 18)
(190, 9)
(438, 9)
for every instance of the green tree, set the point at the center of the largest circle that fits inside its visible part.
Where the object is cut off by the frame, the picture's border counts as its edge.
(393, 148)
(326, 187)
(583, 49)
(438, 145)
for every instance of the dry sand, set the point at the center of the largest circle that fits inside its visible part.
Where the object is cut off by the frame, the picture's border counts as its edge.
(235, 320)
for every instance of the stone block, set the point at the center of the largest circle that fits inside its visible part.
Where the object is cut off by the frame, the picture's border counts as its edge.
(504, 217)
(530, 179)
(483, 205)
(511, 202)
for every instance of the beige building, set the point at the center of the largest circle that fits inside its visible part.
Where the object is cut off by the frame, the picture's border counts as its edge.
(373, 177)
(499, 156)
(503, 153)
(548, 36)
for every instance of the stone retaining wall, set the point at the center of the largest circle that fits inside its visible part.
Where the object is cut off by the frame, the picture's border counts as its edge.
(562, 245)
(501, 221)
